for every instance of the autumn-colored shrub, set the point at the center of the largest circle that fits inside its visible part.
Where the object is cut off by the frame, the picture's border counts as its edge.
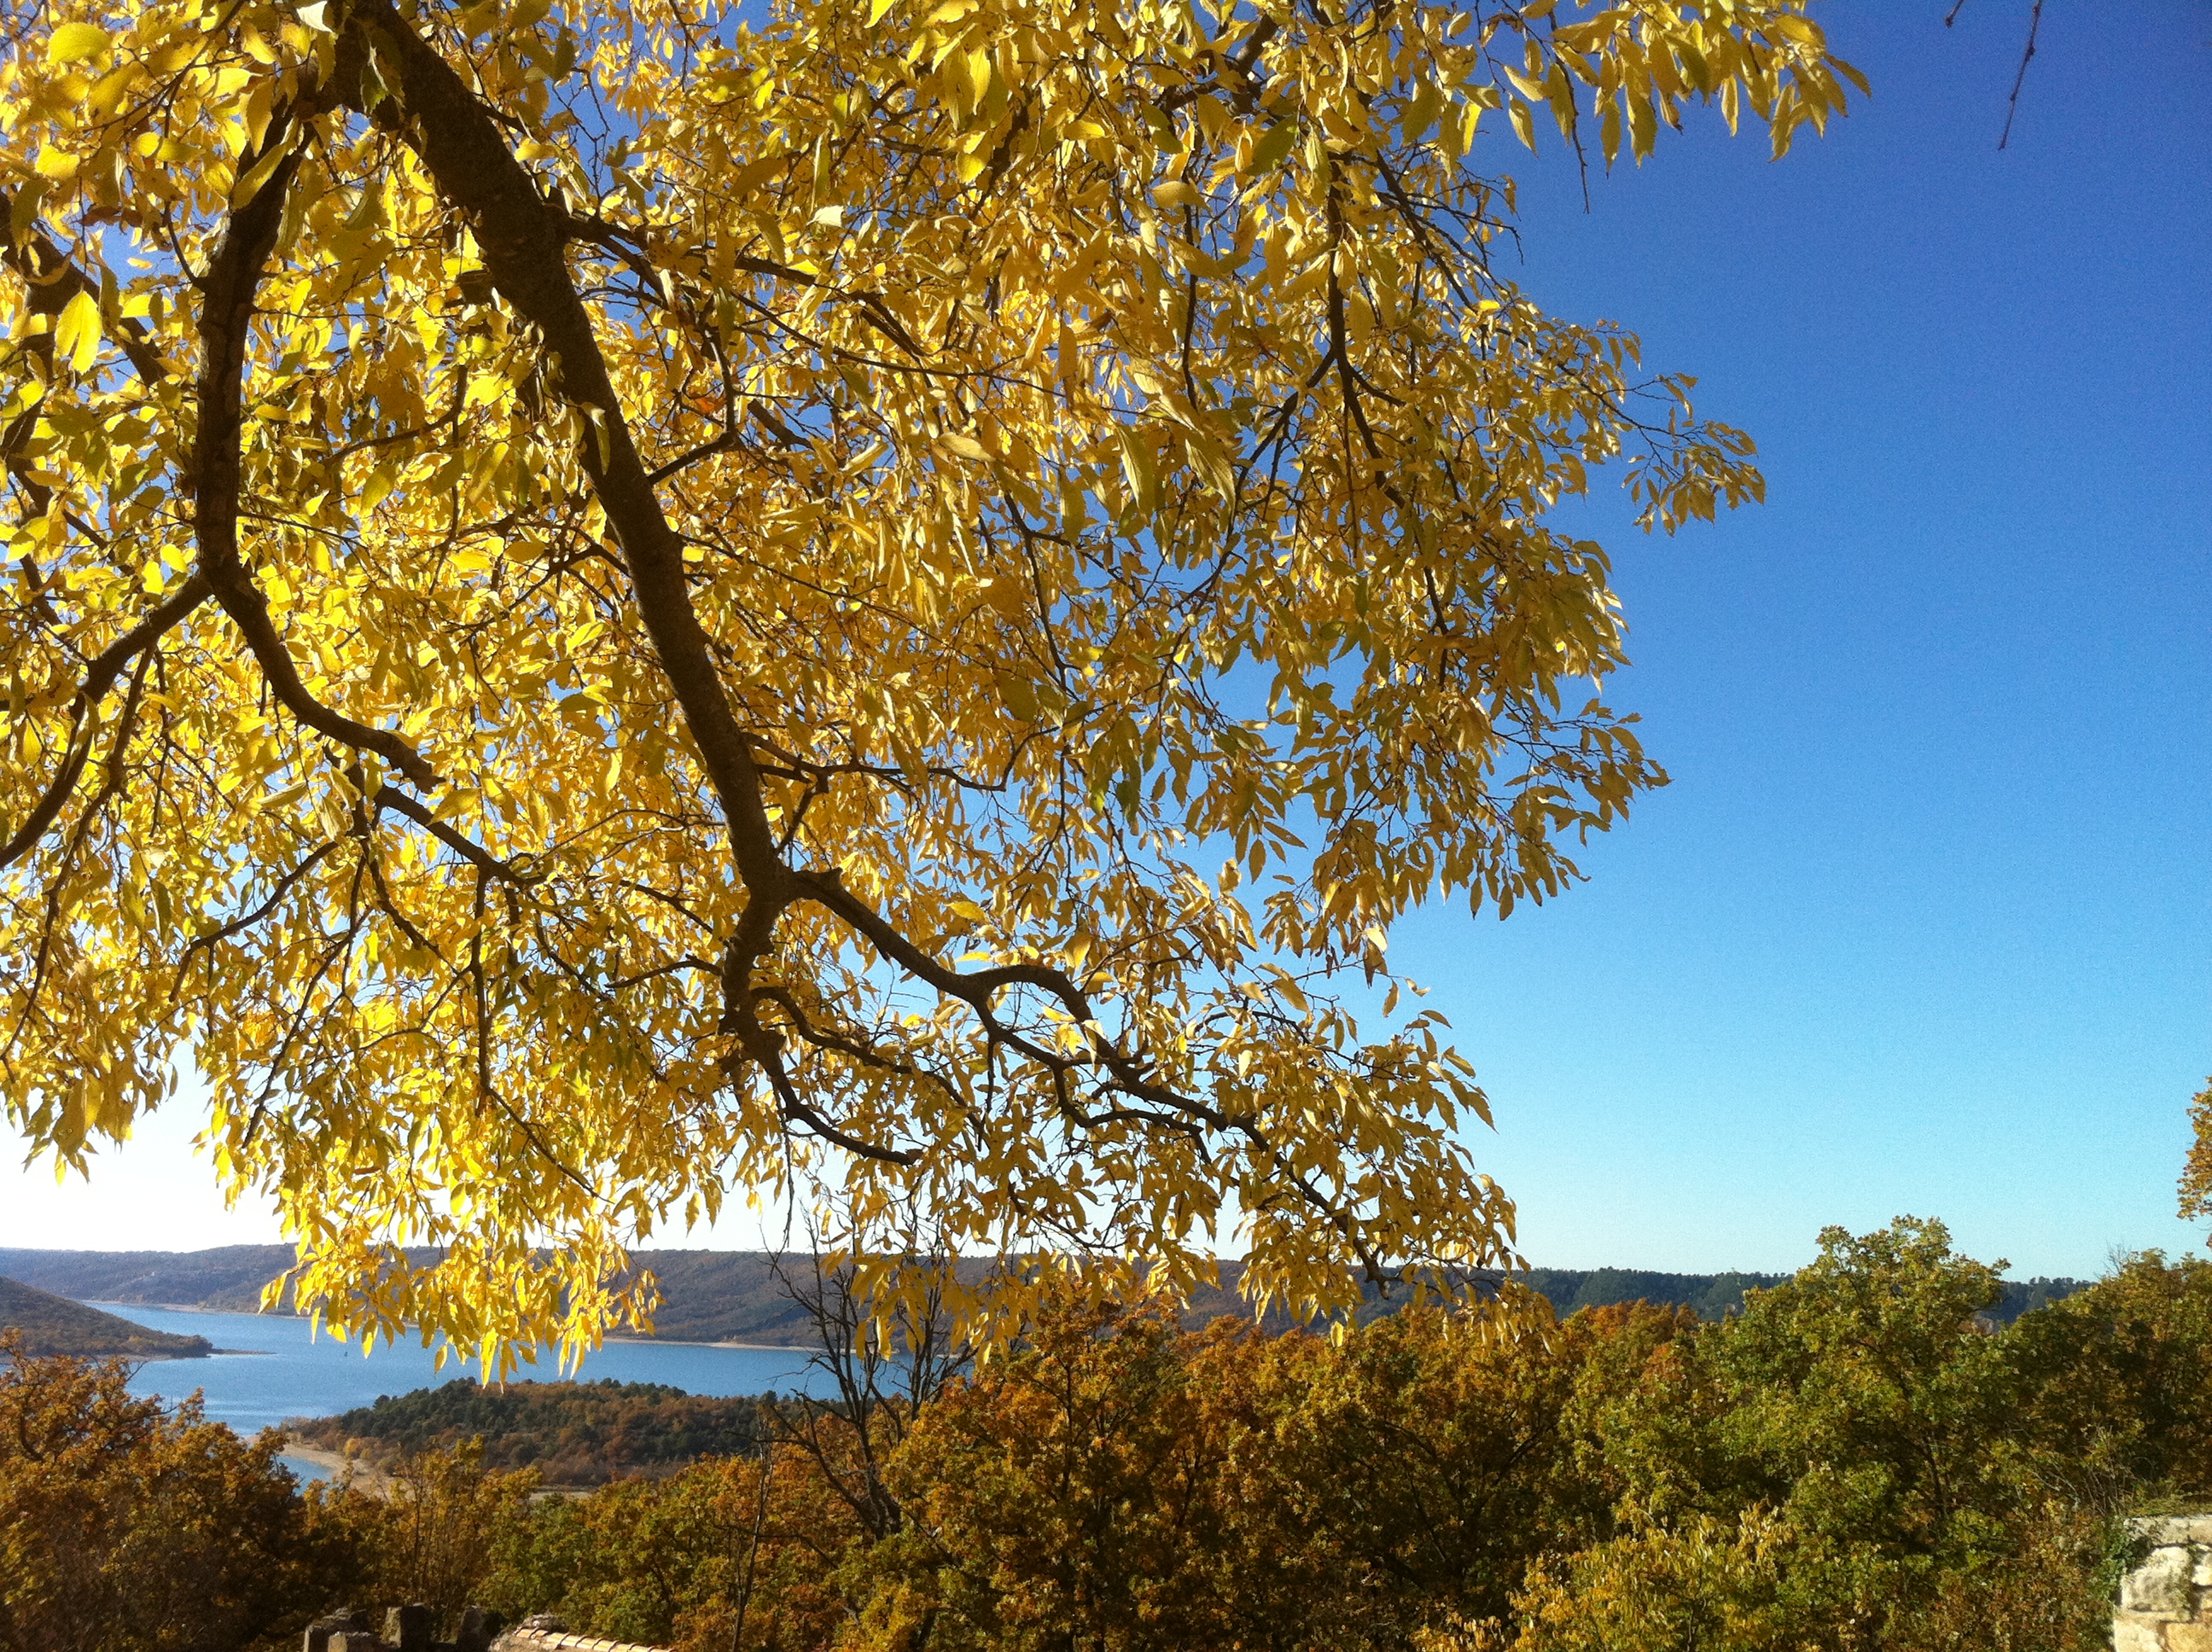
(2113, 1385)
(126, 1526)
(732, 1554)
(1122, 1484)
(1701, 1585)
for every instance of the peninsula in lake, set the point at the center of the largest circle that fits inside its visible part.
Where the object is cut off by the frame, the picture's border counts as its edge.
(48, 1324)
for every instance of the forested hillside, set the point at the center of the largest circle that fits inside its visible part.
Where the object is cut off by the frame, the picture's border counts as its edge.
(723, 1296)
(1712, 1295)
(48, 1324)
(573, 1433)
(229, 1278)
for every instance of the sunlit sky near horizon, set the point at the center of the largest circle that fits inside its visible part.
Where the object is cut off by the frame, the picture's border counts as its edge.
(1924, 923)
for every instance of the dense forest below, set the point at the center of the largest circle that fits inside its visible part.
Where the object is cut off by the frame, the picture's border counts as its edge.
(48, 1324)
(581, 1434)
(1860, 1456)
(722, 1295)
(573, 1433)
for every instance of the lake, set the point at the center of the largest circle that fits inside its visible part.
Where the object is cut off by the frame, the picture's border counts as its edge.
(282, 1371)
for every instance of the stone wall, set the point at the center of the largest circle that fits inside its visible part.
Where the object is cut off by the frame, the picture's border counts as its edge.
(2166, 1603)
(546, 1635)
(408, 1628)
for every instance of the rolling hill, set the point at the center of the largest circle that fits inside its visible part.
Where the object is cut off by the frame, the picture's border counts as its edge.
(724, 1295)
(54, 1325)
(573, 1433)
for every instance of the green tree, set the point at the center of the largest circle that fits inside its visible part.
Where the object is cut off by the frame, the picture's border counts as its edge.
(1851, 1462)
(2113, 1382)
(1869, 1401)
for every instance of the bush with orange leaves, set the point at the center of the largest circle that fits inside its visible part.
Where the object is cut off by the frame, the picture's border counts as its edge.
(1119, 1483)
(128, 1528)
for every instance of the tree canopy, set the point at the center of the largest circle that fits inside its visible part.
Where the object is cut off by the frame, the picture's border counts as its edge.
(609, 603)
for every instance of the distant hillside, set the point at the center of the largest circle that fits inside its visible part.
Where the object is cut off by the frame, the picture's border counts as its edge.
(1715, 1295)
(229, 1278)
(574, 1433)
(1711, 1294)
(712, 1296)
(724, 1295)
(707, 1296)
(54, 1325)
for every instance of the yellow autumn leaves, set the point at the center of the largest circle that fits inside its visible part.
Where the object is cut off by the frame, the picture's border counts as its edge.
(871, 608)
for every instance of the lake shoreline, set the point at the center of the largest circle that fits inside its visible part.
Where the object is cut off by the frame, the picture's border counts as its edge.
(692, 1342)
(297, 1374)
(133, 1356)
(336, 1464)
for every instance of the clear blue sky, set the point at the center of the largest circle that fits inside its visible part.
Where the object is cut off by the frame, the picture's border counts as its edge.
(1926, 922)
(1923, 924)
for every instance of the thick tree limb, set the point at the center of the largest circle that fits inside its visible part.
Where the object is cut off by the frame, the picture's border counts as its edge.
(523, 238)
(99, 676)
(226, 315)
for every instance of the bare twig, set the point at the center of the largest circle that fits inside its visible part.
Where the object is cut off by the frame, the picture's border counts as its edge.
(2027, 56)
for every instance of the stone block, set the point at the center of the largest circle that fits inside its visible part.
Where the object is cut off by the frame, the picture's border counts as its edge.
(2162, 1531)
(2189, 1638)
(2134, 1633)
(328, 1634)
(409, 1628)
(536, 1630)
(479, 1628)
(2161, 1586)
(357, 1640)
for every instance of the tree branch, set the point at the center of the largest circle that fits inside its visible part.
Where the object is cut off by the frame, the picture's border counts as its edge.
(98, 678)
(228, 291)
(523, 238)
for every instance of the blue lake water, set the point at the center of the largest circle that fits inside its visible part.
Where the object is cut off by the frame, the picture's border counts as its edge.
(282, 1371)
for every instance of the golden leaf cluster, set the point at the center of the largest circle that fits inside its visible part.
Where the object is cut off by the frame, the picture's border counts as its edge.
(610, 603)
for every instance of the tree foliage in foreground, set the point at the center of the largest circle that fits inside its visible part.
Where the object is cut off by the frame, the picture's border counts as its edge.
(611, 601)
(1857, 1460)
(2197, 1171)
(128, 1528)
